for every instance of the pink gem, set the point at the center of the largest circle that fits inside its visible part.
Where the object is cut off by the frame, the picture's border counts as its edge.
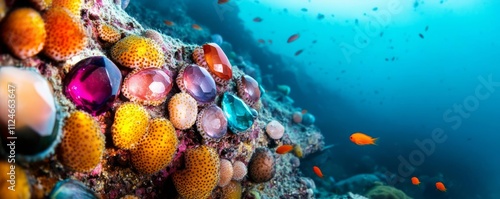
(148, 86)
(248, 89)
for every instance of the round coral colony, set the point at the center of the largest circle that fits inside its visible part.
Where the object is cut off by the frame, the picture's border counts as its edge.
(93, 84)
(248, 89)
(198, 82)
(212, 123)
(212, 57)
(130, 124)
(136, 51)
(183, 111)
(148, 86)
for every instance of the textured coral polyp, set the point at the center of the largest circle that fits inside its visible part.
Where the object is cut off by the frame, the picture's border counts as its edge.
(201, 174)
(130, 125)
(23, 31)
(232, 190)
(108, 33)
(138, 52)
(239, 170)
(226, 172)
(74, 6)
(41, 4)
(66, 35)
(157, 148)
(82, 145)
(262, 166)
(183, 110)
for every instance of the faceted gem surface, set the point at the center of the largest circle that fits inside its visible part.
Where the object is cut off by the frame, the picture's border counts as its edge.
(199, 83)
(248, 89)
(212, 122)
(93, 84)
(217, 61)
(148, 86)
(30, 111)
(238, 114)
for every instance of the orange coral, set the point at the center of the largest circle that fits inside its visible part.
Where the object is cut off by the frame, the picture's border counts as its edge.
(74, 6)
(23, 31)
(66, 35)
(22, 186)
(82, 145)
(138, 52)
(108, 33)
(130, 125)
(183, 110)
(157, 148)
(201, 174)
(41, 4)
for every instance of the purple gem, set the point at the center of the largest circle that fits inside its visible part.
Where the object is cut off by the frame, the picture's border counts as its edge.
(248, 89)
(198, 83)
(93, 84)
(212, 122)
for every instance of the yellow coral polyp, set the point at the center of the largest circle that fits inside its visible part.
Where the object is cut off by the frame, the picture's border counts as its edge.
(232, 190)
(183, 111)
(23, 32)
(82, 145)
(130, 124)
(74, 6)
(66, 35)
(138, 52)
(201, 174)
(157, 148)
(22, 186)
(108, 33)
(41, 4)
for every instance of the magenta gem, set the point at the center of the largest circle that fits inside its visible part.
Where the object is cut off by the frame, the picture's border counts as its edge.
(93, 84)
(248, 89)
(198, 82)
(149, 86)
(212, 122)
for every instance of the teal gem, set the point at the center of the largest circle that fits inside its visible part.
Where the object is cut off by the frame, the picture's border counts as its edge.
(239, 115)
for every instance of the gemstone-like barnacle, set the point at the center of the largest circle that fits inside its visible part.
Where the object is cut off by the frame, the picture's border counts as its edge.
(211, 56)
(212, 123)
(71, 189)
(238, 114)
(30, 119)
(93, 84)
(196, 81)
(248, 89)
(149, 86)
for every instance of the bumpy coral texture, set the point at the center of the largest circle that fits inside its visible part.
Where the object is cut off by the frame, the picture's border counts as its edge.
(74, 6)
(239, 170)
(157, 148)
(23, 32)
(82, 145)
(275, 130)
(183, 110)
(22, 186)
(262, 165)
(66, 35)
(226, 172)
(41, 4)
(138, 52)
(232, 190)
(201, 174)
(108, 33)
(386, 192)
(131, 123)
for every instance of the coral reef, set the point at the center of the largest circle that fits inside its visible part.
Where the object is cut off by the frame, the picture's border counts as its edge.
(131, 123)
(138, 52)
(386, 192)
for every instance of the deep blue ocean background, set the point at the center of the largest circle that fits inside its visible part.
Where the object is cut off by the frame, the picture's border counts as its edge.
(394, 69)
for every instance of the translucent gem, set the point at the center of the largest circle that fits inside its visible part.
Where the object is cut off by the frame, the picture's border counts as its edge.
(238, 114)
(198, 83)
(148, 86)
(93, 84)
(248, 89)
(212, 122)
(217, 61)
(71, 189)
(29, 113)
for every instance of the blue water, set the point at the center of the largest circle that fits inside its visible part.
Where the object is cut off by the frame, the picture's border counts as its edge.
(400, 70)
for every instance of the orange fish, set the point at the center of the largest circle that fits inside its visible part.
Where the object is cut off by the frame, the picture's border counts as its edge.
(415, 181)
(257, 19)
(196, 27)
(304, 111)
(293, 38)
(284, 149)
(168, 22)
(298, 52)
(440, 186)
(317, 171)
(362, 139)
(222, 1)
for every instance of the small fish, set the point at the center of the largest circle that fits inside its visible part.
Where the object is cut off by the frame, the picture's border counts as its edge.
(222, 1)
(415, 181)
(257, 19)
(421, 35)
(304, 111)
(440, 186)
(169, 23)
(314, 41)
(270, 41)
(299, 52)
(196, 27)
(362, 139)
(293, 38)
(426, 28)
(261, 41)
(320, 16)
(304, 9)
(375, 8)
(317, 171)
(284, 149)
